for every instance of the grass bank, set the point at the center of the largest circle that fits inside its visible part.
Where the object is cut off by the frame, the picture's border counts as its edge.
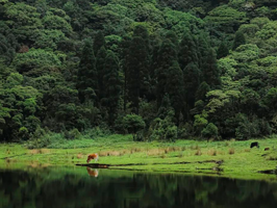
(232, 159)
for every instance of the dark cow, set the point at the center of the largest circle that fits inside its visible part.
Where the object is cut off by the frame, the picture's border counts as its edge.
(267, 148)
(254, 144)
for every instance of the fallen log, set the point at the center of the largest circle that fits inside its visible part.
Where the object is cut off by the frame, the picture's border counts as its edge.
(98, 165)
(94, 165)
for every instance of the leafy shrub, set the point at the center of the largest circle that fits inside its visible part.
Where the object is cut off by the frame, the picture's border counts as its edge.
(162, 129)
(23, 133)
(133, 123)
(39, 132)
(171, 133)
(42, 139)
(246, 128)
(211, 131)
(139, 136)
(96, 132)
(199, 123)
(35, 143)
(72, 134)
(252, 127)
(185, 131)
(265, 128)
(119, 125)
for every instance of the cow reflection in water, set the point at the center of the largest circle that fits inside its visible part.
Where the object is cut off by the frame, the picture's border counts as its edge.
(92, 173)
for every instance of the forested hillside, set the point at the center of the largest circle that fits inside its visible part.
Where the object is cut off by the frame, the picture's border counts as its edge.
(160, 69)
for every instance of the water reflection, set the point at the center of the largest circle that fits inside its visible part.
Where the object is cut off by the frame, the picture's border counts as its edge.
(92, 173)
(67, 188)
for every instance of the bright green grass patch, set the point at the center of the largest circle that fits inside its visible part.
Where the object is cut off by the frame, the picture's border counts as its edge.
(239, 161)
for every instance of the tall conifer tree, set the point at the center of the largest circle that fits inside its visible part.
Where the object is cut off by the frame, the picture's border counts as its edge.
(138, 67)
(155, 46)
(87, 83)
(144, 58)
(165, 107)
(166, 57)
(100, 62)
(125, 45)
(98, 42)
(202, 91)
(175, 88)
(141, 31)
(173, 38)
(112, 85)
(211, 73)
(203, 46)
(192, 76)
(188, 51)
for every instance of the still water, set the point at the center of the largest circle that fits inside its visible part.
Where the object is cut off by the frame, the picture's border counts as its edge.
(83, 188)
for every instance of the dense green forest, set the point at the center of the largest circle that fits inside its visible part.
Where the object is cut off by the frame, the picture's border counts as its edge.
(159, 69)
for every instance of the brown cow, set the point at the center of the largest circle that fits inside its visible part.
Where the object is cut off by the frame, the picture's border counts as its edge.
(92, 156)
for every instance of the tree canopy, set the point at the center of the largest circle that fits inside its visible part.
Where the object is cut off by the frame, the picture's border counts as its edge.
(149, 67)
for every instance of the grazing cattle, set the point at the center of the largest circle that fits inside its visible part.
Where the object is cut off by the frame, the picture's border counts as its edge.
(267, 148)
(92, 156)
(254, 144)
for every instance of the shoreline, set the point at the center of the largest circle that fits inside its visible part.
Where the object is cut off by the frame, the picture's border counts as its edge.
(185, 156)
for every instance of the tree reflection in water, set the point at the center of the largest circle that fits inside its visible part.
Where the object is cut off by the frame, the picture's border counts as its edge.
(49, 188)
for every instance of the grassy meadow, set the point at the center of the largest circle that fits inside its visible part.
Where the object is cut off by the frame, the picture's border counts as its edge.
(232, 159)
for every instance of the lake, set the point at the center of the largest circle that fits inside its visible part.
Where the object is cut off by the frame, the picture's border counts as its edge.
(86, 188)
